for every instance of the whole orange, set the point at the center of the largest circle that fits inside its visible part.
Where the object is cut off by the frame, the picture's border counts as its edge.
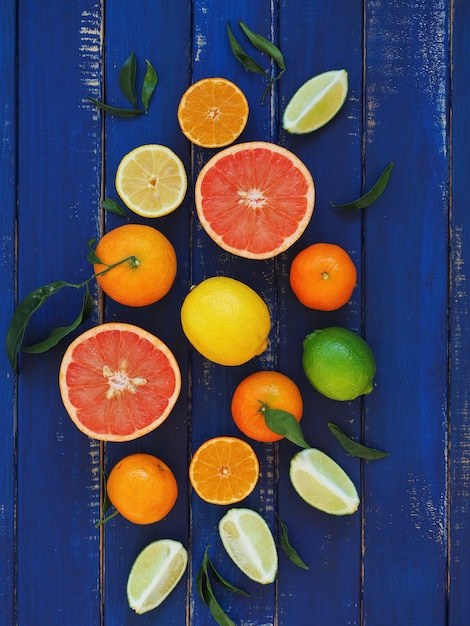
(142, 488)
(144, 263)
(265, 388)
(323, 276)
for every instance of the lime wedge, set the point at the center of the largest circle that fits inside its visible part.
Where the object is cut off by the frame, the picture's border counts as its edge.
(249, 543)
(155, 573)
(322, 483)
(316, 102)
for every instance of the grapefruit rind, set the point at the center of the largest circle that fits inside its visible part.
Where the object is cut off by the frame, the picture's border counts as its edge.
(255, 199)
(97, 369)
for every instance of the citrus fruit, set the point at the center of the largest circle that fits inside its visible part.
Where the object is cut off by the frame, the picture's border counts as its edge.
(316, 102)
(224, 470)
(149, 271)
(226, 320)
(264, 388)
(254, 199)
(213, 112)
(118, 382)
(322, 483)
(338, 363)
(142, 488)
(151, 180)
(155, 573)
(249, 542)
(323, 276)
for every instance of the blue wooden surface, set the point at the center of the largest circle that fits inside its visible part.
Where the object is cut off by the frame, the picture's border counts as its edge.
(403, 557)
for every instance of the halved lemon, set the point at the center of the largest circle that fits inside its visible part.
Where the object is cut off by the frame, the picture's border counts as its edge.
(248, 541)
(322, 483)
(151, 180)
(316, 102)
(155, 573)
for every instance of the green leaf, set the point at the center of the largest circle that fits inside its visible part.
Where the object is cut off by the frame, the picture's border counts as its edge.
(372, 195)
(354, 448)
(91, 256)
(113, 207)
(106, 504)
(115, 110)
(127, 79)
(20, 320)
(204, 587)
(265, 46)
(285, 424)
(248, 62)
(149, 84)
(288, 549)
(62, 331)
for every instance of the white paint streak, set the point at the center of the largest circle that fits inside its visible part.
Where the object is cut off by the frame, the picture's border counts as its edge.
(427, 516)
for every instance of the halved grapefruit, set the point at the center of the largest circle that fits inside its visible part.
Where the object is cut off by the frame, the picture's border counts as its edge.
(118, 382)
(255, 199)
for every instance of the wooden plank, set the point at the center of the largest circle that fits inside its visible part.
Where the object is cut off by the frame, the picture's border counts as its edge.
(318, 37)
(406, 248)
(459, 448)
(213, 385)
(159, 32)
(58, 189)
(8, 148)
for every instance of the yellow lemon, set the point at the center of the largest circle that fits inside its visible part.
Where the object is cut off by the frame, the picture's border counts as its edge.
(226, 320)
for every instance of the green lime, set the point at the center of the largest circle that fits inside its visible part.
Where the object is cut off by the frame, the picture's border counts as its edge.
(338, 363)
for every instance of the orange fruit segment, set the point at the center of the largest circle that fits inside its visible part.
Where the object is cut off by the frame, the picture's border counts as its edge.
(118, 382)
(255, 199)
(323, 276)
(273, 389)
(213, 112)
(224, 470)
(148, 274)
(142, 488)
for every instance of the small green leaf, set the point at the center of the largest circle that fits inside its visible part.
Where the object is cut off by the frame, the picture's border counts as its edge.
(113, 207)
(265, 46)
(285, 424)
(354, 448)
(248, 62)
(106, 504)
(372, 195)
(288, 549)
(149, 84)
(115, 110)
(127, 79)
(62, 331)
(91, 256)
(20, 320)
(204, 587)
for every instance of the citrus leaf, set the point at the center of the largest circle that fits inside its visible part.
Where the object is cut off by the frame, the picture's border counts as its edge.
(248, 62)
(116, 110)
(112, 207)
(285, 424)
(62, 331)
(26, 308)
(354, 448)
(265, 46)
(127, 79)
(91, 256)
(149, 84)
(204, 588)
(288, 549)
(222, 581)
(372, 195)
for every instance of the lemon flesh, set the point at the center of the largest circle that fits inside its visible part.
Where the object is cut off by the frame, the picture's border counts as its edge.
(151, 180)
(249, 542)
(316, 102)
(322, 483)
(155, 573)
(338, 363)
(226, 321)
